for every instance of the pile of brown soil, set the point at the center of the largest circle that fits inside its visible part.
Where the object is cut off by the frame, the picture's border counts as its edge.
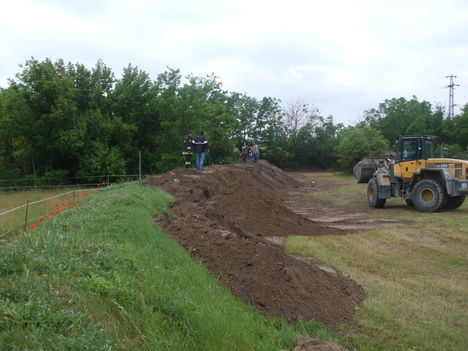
(228, 215)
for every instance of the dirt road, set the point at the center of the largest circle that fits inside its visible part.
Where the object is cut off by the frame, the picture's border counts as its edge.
(306, 201)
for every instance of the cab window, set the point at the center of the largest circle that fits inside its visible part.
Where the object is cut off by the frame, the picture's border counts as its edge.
(428, 149)
(409, 150)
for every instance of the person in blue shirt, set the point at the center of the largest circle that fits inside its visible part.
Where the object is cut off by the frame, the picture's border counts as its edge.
(201, 147)
(255, 153)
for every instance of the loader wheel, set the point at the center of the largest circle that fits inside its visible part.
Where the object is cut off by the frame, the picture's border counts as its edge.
(373, 195)
(429, 195)
(454, 202)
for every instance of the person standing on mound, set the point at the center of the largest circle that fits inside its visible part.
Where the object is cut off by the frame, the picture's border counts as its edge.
(201, 147)
(245, 150)
(255, 153)
(188, 150)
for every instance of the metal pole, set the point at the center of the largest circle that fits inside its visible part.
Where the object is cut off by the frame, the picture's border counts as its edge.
(74, 194)
(451, 87)
(107, 180)
(26, 215)
(139, 165)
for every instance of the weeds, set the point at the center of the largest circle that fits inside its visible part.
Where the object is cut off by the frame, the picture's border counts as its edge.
(230, 191)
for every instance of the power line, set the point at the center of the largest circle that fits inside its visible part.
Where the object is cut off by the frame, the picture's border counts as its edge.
(451, 87)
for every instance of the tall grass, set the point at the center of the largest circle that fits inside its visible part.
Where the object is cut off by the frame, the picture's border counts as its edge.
(104, 277)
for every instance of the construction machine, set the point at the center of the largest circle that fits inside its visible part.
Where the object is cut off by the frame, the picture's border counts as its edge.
(365, 169)
(430, 184)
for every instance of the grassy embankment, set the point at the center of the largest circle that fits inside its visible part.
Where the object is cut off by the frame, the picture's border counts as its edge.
(415, 275)
(103, 276)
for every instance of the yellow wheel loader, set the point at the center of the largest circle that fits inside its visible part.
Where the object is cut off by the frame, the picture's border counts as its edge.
(430, 184)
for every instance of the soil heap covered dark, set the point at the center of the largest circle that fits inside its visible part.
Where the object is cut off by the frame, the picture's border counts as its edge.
(229, 217)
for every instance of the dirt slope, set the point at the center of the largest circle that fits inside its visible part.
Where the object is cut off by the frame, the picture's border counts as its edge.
(232, 217)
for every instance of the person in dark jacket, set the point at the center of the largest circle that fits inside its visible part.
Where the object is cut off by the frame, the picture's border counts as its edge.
(245, 150)
(188, 150)
(201, 147)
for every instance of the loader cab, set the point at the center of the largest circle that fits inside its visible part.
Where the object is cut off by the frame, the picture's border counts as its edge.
(415, 148)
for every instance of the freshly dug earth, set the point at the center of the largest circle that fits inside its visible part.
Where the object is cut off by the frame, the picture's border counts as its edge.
(232, 218)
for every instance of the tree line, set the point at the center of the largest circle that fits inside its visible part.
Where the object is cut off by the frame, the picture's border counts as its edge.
(61, 120)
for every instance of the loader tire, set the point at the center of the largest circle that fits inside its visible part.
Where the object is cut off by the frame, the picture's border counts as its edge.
(409, 202)
(429, 195)
(373, 195)
(454, 202)
(363, 174)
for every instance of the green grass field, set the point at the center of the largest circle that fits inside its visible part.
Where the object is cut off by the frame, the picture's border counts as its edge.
(103, 276)
(415, 275)
(14, 199)
(12, 223)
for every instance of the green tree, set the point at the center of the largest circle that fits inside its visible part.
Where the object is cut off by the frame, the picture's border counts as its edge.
(62, 120)
(41, 121)
(358, 142)
(244, 108)
(198, 104)
(320, 151)
(53, 113)
(455, 135)
(460, 128)
(134, 102)
(398, 116)
(100, 159)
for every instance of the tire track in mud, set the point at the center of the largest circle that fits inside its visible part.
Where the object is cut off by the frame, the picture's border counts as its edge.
(320, 211)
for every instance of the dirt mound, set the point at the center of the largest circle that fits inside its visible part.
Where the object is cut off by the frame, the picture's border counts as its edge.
(231, 216)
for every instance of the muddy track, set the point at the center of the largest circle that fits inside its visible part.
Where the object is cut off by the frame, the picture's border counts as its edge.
(234, 218)
(345, 218)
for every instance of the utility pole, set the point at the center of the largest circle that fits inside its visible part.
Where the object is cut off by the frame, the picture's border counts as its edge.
(451, 87)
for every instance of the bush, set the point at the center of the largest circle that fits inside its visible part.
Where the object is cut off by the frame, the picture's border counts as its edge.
(359, 142)
(54, 177)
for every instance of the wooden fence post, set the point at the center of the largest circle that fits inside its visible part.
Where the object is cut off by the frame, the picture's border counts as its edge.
(139, 166)
(26, 215)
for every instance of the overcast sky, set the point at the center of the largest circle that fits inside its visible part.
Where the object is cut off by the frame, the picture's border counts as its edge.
(343, 57)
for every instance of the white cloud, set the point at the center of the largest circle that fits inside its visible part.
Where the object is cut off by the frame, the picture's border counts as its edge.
(344, 56)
